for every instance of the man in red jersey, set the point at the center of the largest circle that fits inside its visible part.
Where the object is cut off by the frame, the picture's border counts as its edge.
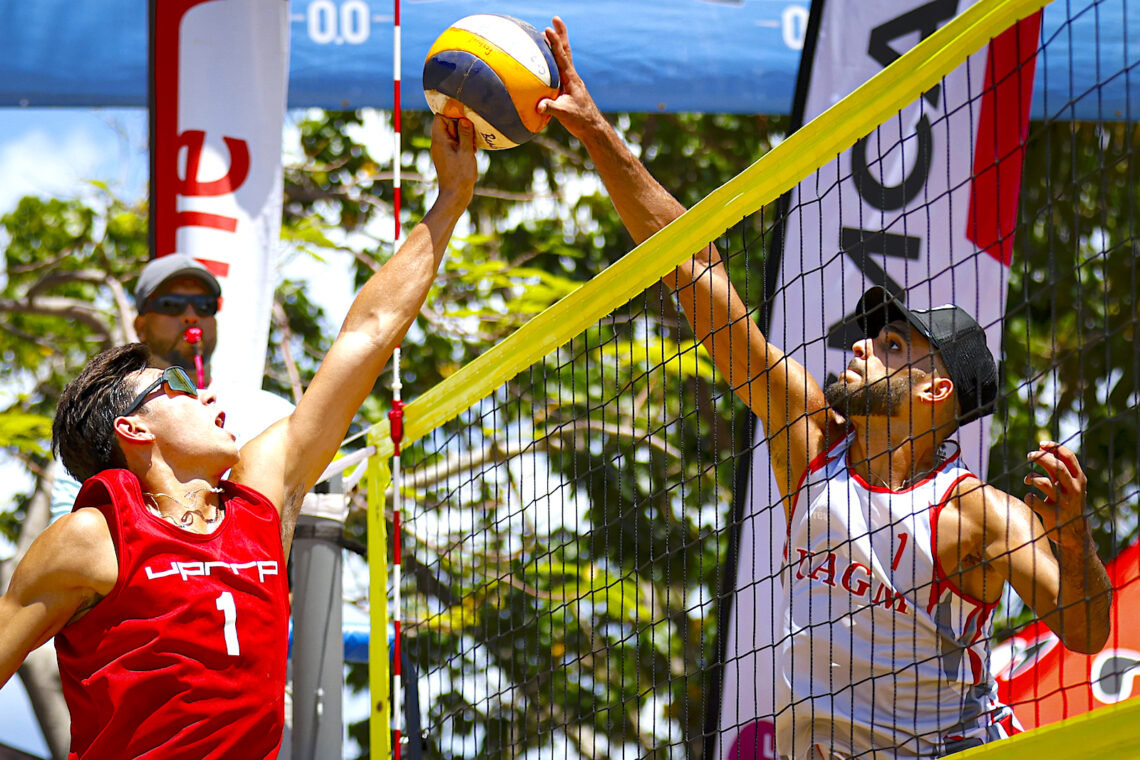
(165, 589)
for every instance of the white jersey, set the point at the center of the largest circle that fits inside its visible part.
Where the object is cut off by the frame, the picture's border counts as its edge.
(882, 655)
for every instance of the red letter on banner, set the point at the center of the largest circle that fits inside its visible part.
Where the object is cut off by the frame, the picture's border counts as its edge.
(193, 140)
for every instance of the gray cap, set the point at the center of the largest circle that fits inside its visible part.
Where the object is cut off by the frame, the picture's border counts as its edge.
(167, 267)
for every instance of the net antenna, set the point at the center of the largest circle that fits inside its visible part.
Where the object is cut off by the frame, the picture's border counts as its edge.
(396, 423)
(396, 419)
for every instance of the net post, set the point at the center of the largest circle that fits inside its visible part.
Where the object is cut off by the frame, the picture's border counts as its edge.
(379, 478)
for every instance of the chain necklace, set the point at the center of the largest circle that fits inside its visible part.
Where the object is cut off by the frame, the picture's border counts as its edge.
(187, 519)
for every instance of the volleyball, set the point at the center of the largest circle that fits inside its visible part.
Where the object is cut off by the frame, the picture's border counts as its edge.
(493, 70)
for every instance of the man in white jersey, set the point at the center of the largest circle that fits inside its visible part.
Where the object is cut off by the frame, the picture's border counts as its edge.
(897, 555)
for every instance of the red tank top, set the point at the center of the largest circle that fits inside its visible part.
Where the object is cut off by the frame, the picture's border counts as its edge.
(185, 657)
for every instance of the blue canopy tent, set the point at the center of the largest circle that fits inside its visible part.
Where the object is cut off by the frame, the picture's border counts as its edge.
(714, 56)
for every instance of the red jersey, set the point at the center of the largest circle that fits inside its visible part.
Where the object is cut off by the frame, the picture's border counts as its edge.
(185, 657)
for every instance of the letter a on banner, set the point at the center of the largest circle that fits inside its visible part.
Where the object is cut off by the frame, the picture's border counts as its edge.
(219, 75)
(924, 206)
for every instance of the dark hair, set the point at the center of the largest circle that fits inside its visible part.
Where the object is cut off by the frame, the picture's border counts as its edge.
(83, 435)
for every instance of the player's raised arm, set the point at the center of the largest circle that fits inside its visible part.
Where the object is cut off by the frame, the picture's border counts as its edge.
(286, 461)
(778, 389)
(1069, 588)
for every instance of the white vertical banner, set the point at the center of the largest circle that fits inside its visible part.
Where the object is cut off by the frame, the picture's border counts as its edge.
(924, 206)
(219, 77)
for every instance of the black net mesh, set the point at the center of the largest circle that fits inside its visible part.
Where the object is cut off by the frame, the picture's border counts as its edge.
(586, 550)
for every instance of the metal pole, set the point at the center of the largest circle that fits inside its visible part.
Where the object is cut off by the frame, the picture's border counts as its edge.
(318, 644)
(396, 421)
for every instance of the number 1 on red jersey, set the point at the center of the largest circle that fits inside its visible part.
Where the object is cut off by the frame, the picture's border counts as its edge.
(228, 609)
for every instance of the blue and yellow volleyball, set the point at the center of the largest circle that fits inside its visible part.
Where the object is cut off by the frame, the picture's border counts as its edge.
(493, 70)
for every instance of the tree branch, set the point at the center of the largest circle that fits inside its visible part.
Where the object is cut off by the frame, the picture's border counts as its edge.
(65, 308)
(58, 277)
(40, 672)
(126, 312)
(282, 320)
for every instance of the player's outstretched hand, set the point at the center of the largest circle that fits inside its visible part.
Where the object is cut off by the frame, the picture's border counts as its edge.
(453, 153)
(573, 107)
(1061, 503)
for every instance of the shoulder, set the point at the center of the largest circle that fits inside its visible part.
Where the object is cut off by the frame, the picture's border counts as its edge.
(250, 498)
(829, 436)
(75, 552)
(973, 500)
(830, 445)
(85, 537)
(261, 467)
(993, 513)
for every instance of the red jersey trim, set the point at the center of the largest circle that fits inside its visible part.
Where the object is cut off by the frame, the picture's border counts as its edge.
(820, 461)
(926, 478)
(229, 490)
(941, 578)
(87, 499)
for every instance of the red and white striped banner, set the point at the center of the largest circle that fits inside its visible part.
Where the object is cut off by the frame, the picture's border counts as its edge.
(219, 76)
(909, 207)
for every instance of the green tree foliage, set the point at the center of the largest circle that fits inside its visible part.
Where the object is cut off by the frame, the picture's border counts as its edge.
(1069, 353)
(62, 300)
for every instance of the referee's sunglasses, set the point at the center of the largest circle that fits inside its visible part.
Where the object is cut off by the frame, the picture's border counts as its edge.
(174, 378)
(173, 304)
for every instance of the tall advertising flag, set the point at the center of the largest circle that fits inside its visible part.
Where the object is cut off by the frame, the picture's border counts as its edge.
(218, 79)
(924, 206)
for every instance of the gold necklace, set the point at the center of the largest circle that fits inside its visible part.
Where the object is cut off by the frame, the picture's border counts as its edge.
(187, 518)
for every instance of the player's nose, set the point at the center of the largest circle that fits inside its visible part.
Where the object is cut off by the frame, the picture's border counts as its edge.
(861, 348)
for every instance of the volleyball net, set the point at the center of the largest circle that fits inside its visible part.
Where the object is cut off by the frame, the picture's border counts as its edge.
(590, 547)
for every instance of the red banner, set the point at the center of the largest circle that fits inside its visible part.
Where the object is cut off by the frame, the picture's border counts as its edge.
(1044, 682)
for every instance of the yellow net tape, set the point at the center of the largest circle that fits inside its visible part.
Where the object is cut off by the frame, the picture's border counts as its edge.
(1105, 732)
(380, 719)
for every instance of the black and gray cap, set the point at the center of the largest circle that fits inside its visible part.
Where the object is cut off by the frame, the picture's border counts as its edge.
(163, 268)
(958, 338)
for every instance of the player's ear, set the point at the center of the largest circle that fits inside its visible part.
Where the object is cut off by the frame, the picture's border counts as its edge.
(937, 388)
(132, 429)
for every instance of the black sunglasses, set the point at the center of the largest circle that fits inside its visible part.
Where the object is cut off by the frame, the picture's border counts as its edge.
(173, 304)
(174, 378)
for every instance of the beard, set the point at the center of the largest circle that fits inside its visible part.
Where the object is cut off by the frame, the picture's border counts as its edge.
(880, 398)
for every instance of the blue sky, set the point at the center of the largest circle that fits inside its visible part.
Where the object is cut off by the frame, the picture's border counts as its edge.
(58, 151)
